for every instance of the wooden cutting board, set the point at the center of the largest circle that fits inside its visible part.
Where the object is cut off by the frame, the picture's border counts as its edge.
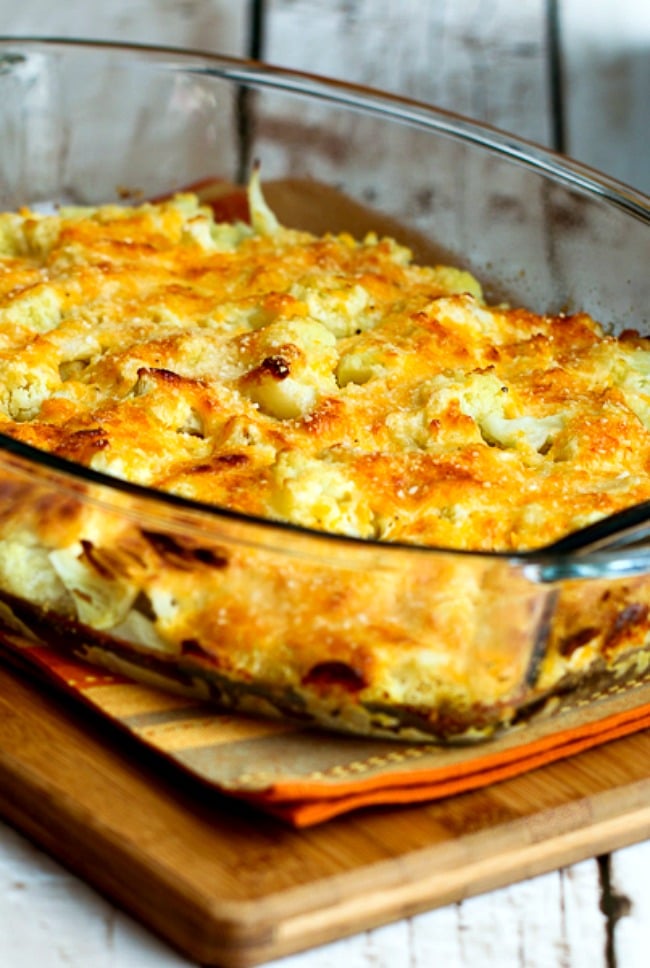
(230, 886)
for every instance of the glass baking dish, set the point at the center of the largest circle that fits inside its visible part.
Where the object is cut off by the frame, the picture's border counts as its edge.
(356, 635)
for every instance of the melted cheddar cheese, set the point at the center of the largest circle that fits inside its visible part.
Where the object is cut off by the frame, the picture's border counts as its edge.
(324, 381)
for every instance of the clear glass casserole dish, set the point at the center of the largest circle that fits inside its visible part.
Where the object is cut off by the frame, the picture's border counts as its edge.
(400, 641)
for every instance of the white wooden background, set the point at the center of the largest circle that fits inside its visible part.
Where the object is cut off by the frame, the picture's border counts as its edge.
(571, 74)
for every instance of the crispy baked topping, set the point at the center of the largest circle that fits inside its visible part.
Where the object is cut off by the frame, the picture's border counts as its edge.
(320, 380)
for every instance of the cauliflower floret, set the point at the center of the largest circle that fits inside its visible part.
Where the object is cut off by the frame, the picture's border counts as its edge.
(337, 306)
(318, 494)
(37, 308)
(295, 364)
(480, 395)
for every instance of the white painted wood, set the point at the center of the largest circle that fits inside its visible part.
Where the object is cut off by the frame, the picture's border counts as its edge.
(630, 878)
(216, 25)
(606, 53)
(488, 60)
(213, 25)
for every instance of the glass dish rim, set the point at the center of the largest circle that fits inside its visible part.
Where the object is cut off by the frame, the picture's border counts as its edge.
(540, 564)
(544, 161)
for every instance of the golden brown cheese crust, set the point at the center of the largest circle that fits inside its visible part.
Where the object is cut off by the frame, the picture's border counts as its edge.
(322, 381)
(333, 384)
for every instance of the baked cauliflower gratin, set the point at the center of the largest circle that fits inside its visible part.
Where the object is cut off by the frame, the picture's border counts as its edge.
(331, 383)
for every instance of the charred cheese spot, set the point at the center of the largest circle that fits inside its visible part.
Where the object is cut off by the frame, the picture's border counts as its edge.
(180, 553)
(629, 627)
(275, 366)
(298, 358)
(324, 675)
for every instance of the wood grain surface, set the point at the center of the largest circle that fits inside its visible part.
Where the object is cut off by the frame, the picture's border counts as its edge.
(581, 86)
(229, 886)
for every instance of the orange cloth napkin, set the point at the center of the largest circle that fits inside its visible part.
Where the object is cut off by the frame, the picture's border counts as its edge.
(304, 776)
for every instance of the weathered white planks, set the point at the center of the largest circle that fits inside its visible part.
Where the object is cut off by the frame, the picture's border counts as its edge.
(606, 53)
(488, 59)
(495, 61)
(492, 60)
(630, 882)
(482, 58)
(206, 24)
